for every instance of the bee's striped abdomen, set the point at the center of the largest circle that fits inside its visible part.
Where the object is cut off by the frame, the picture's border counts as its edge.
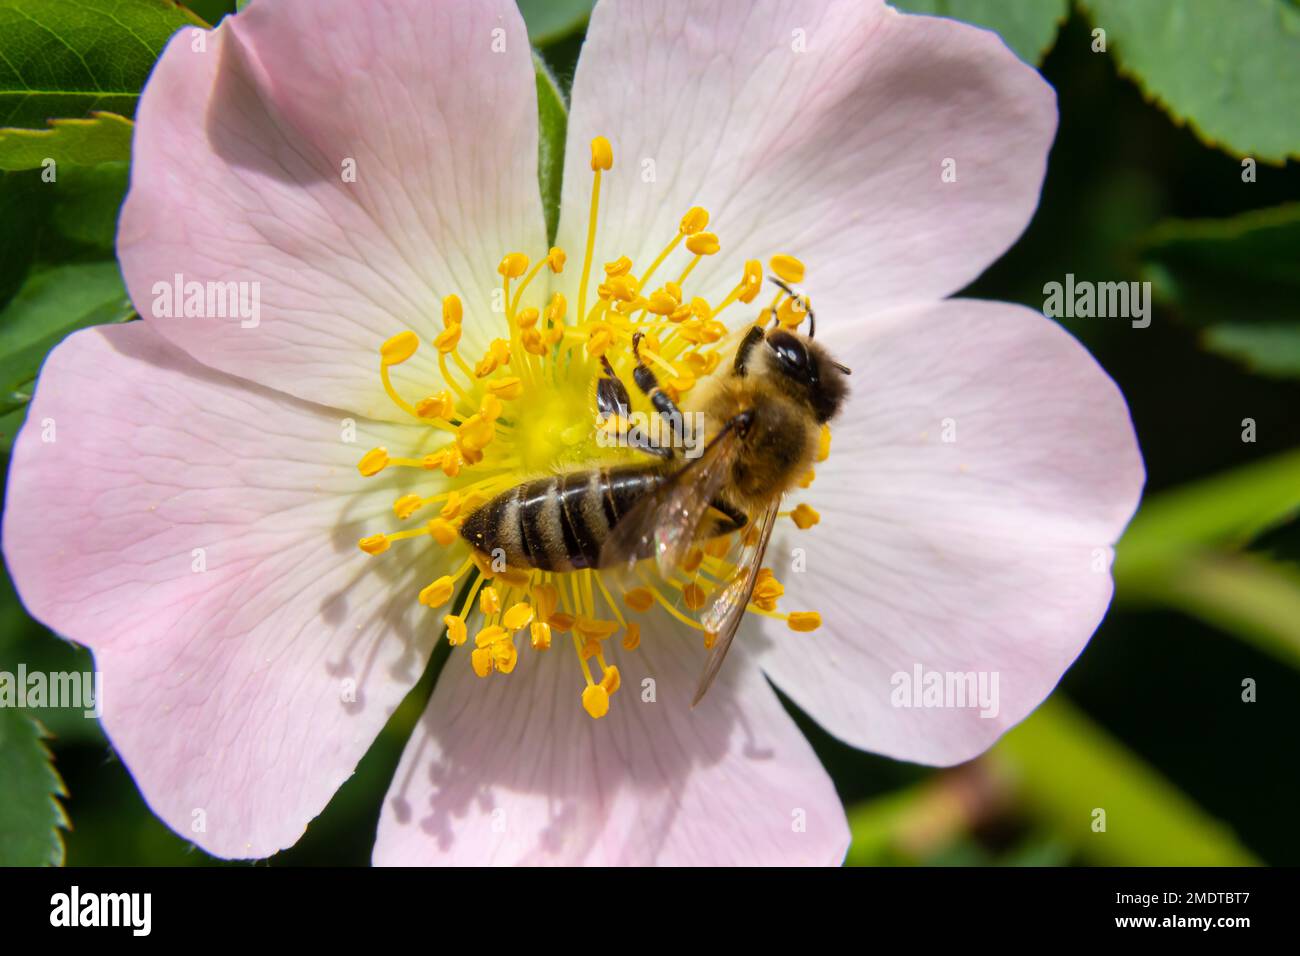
(558, 523)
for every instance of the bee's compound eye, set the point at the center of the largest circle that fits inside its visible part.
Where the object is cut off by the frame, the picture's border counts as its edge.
(792, 355)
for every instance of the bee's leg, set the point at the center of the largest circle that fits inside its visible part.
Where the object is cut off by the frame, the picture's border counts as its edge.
(752, 338)
(737, 517)
(612, 399)
(645, 380)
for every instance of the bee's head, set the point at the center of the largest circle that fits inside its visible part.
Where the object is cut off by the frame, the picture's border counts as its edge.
(809, 371)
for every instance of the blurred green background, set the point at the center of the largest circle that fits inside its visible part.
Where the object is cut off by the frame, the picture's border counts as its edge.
(1146, 182)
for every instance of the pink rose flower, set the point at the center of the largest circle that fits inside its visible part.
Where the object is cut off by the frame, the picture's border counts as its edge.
(368, 171)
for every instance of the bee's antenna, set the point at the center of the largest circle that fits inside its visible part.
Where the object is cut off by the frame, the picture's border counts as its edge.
(803, 303)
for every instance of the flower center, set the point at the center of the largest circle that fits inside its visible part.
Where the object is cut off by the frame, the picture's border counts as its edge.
(526, 408)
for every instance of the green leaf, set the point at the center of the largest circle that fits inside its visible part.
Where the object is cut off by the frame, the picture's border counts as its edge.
(1244, 594)
(1065, 767)
(71, 58)
(84, 209)
(553, 121)
(551, 20)
(104, 138)
(1027, 26)
(50, 305)
(1222, 512)
(31, 817)
(1229, 69)
(1236, 279)
(1272, 350)
(22, 205)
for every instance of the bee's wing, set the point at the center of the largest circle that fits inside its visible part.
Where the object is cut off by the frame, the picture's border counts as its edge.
(664, 524)
(725, 611)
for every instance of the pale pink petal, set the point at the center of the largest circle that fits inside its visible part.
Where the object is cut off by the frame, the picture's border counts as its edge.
(241, 148)
(817, 128)
(510, 769)
(199, 534)
(989, 552)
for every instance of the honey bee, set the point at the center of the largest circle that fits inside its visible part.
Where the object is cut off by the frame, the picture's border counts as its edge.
(766, 414)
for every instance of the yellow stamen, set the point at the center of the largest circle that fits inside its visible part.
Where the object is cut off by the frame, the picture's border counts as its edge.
(804, 621)
(788, 268)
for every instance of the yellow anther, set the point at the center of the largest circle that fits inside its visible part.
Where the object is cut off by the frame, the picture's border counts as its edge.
(701, 363)
(527, 318)
(701, 309)
(824, 444)
(595, 701)
(452, 507)
(639, 599)
(448, 339)
(611, 681)
(489, 601)
(373, 462)
(518, 617)
(594, 628)
(661, 303)
(791, 312)
(602, 154)
(751, 282)
(632, 637)
(555, 259)
(619, 267)
(674, 290)
(788, 268)
(374, 544)
(516, 579)
(713, 331)
(407, 505)
(441, 405)
(399, 348)
(498, 354)
(513, 265)
(599, 342)
(623, 288)
(540, 635)
(718, 547)
(546, 598)
(456, 631)
(535, 343)
(694, 596)
(490, 408)
(681, 313)
(442, 531)
(805, 516)
(475, 433)
(438, 593)
(508, 388)
(767, 590)
(804, 621)
(807, 480)
(452, 311)
(556, 308)
(562, 622)
(681, 383)
(703, 244)
(695, 220)
(449, 459)
(483, 564)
